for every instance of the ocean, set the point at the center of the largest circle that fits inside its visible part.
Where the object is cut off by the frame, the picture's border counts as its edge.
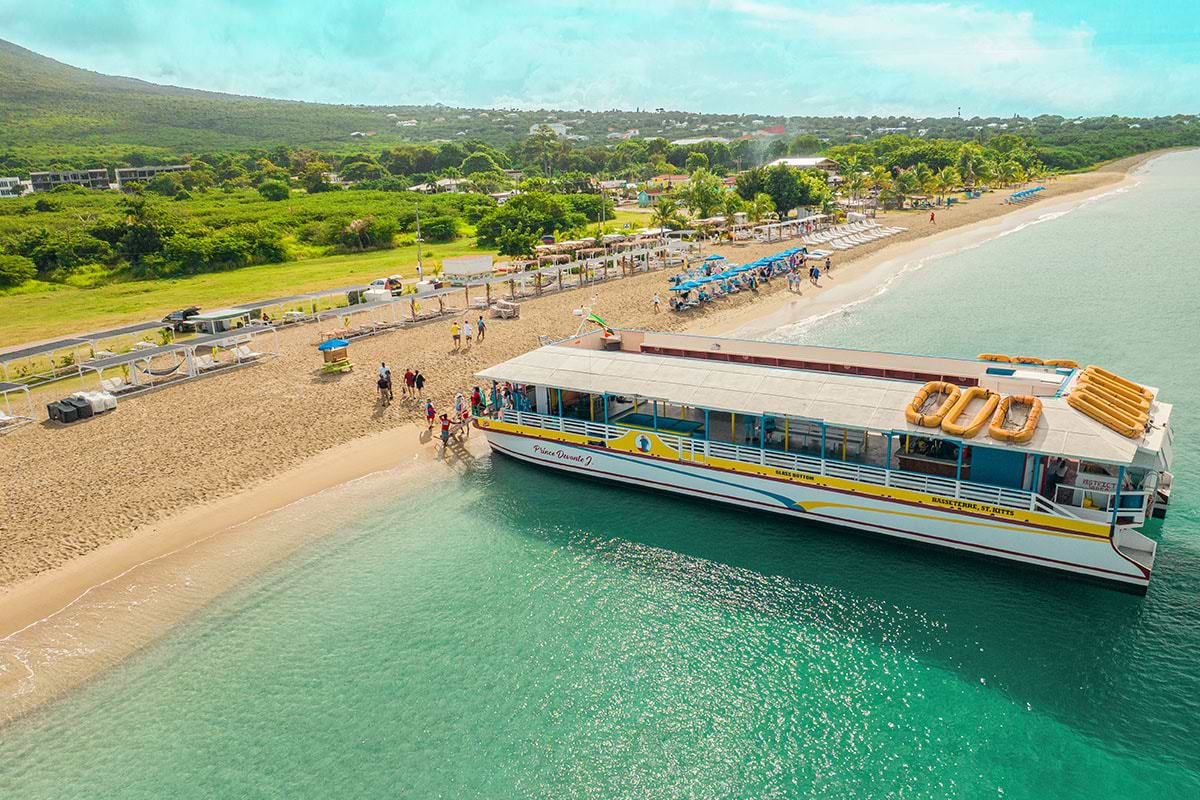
(517, 634)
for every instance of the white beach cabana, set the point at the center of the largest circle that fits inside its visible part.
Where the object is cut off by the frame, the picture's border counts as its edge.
(14, 417)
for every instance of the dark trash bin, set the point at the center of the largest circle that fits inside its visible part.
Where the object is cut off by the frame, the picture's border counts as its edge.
(82, 407)
(63, 412)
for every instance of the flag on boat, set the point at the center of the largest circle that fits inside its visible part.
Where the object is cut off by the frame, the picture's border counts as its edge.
(594, 317)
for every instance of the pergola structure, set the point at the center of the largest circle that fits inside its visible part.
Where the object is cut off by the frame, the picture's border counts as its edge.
(72, 345)
(10, 419)
(381, 316)
(139, 373)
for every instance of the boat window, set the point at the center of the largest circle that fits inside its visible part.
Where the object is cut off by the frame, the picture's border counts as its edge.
(1000, 371)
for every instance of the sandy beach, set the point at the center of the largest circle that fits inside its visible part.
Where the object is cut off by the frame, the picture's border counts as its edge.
(83, 504)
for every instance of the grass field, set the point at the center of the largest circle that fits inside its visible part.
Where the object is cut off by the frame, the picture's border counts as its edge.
(61, 310)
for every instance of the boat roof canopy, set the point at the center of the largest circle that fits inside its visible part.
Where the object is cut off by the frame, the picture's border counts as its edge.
(839, 400)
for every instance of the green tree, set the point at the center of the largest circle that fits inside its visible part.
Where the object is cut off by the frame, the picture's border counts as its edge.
(517, 243)
(761, 207)
(704, 193)
(538, 213)
(666, 213)
(442, 228)
(15, 270)
(478, 162)
(315, 178)
(948, 180)
(274, 190)
(695, 160)
(806, 144)
(166, 184)
(925, 177)
(733, 204)
(752, 182)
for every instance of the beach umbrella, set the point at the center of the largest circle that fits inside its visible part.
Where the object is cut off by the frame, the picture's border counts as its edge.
(332, 344)
(715, 258)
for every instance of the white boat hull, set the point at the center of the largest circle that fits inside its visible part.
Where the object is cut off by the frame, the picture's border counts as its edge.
(1091, 555)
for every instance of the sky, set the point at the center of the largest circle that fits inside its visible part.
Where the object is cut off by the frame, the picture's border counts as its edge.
(783, 57)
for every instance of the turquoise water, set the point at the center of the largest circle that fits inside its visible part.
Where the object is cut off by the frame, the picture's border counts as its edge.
(521, 634)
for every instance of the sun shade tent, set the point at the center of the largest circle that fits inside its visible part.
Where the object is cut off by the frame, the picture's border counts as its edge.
(75, 345)
(189, 360)
(14, 415)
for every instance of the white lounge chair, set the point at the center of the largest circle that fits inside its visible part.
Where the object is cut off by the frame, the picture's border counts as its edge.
(115, 385)
(244, 353)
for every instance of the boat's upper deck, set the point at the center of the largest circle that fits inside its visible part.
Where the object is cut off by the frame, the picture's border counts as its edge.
(842, 388)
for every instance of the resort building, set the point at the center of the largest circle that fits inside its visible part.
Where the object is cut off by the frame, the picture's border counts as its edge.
(11, 187)
(806, 162)
(146, 174)
(88, 178)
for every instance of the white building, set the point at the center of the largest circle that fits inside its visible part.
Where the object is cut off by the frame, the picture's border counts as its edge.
(11, 187)
(559, 128)
(806, 162)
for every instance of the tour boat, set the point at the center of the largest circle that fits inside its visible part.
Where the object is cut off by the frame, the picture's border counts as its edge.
(980, 455)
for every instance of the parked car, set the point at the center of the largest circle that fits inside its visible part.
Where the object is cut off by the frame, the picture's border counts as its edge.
(178, 320)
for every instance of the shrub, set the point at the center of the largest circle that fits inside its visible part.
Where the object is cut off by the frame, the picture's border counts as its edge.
(15, 270)
(274, 190)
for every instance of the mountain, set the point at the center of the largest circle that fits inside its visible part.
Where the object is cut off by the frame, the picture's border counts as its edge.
(53, 115)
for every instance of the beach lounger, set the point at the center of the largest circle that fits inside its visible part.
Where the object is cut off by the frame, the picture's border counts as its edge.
(244, 353)
(115, 386)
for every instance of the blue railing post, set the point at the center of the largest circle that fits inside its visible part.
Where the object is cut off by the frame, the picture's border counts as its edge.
(1116, 501)
(706, 436)
(958, 465)
(655, 415)
(605, 408)
(762, 431)
(559, 394)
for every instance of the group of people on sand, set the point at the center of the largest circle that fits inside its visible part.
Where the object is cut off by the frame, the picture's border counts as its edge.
(457, 420)
(796, 280)
(460, 331)
(413, 384)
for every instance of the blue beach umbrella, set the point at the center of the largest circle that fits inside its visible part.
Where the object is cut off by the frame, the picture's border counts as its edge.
(332, 344)
(715, 258)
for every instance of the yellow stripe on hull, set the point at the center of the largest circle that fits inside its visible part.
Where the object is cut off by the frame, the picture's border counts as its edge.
(654, 446)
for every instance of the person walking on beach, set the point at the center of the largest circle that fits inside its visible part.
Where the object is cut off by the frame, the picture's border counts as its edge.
(445, 431)
(828, 265)
(656, 301)
(480, 327)
(454, 334)
(409, 390)
(382, 385)
(430, 413)
(385, 375)
(932, 221)
(467, 331)
(419, 382)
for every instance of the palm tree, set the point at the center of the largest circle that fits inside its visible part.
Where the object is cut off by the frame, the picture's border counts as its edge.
(760, 207)
(970, 163)
(855, 183)
(947, 181)
(925, 177)
(666, 213)
(904, 185)
(879, 177)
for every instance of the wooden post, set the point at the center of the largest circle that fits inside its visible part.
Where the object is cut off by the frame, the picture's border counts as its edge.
(591, 407)
(733, 427)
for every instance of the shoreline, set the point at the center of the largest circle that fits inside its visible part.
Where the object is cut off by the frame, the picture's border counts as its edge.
(33, 605)
(866, 276)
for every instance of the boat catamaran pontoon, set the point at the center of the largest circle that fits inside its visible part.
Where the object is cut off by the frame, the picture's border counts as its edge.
(1038, 462)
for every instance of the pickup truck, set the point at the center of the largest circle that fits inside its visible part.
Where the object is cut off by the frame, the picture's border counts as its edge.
(178, 320)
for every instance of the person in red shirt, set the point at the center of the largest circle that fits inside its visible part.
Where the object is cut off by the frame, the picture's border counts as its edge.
(409, 379)
(445, 421)
(429, 413)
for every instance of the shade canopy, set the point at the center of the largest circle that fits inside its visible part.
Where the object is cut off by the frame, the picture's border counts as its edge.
(332, 344)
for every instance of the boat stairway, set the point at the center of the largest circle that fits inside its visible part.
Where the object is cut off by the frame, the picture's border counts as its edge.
(1133, 544)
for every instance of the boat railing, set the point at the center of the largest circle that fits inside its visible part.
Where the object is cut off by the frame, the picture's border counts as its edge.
(702, 450)
(1097, 504)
